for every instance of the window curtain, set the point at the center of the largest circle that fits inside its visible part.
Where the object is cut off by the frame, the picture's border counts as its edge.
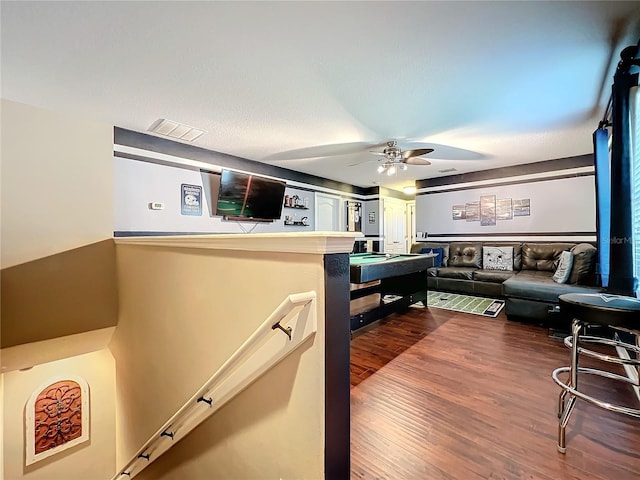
(621, 258)
(634, 110)
(603, 200)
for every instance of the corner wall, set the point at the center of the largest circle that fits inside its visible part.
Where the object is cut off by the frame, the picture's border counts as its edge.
(92, 460)
(56, 194)
(177, 329)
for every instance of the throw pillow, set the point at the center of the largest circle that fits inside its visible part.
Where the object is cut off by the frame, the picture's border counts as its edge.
(584, 264)
(439, 253)
(564, 267)
(497, 258)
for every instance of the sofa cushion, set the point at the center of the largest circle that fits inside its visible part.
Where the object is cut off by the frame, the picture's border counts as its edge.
(459, 273)
(492, 276)
(438, 253)
(538, 285)
(497, 258)
(584, 265)
(417, 248)
(517, 252)
(465, 255)
(564, 267)
(543, 256)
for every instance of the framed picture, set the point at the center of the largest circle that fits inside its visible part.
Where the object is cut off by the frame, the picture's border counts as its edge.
(56, 417)
(458, 212)
(504, 209)
(522, 207)
(472, 211)
(487, 210)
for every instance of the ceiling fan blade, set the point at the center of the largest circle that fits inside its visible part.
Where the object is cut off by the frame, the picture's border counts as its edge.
(319, 151)
(416, 161)
(416, 153)
(364, 161)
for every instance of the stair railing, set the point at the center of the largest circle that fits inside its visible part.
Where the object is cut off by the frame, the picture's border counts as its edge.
(268, 345)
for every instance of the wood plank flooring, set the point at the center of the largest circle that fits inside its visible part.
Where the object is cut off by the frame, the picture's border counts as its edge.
(443, 395)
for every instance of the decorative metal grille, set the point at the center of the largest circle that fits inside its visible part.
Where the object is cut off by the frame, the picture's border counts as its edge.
(57, 415)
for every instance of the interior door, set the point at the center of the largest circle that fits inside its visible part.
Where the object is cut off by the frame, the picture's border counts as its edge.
(411, 225)
(328, 212)
(395, 226)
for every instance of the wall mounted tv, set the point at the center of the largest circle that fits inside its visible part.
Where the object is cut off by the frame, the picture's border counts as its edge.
(252, 197)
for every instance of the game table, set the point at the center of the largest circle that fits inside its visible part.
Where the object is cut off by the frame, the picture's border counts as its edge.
(403, 276)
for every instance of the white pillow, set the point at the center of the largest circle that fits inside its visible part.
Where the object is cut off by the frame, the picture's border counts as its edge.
(497, 258)
(564, 267)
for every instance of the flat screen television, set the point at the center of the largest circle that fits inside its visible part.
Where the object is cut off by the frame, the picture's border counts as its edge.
(247, 196)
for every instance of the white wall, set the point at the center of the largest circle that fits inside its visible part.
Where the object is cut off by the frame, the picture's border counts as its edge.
(561, 205)
(57, 182)
(139, 183)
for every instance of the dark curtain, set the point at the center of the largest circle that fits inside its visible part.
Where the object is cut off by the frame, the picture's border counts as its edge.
(621, 278)
(603, 200)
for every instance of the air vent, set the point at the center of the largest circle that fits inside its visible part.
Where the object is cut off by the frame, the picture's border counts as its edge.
(176, 130)
(447, 170)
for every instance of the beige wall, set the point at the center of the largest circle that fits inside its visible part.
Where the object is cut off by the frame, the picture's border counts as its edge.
(183, 313)
(56, 185)
(56, 194)
(93, 460)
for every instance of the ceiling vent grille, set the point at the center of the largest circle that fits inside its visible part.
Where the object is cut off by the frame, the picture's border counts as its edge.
(176, 130)
(447, 170)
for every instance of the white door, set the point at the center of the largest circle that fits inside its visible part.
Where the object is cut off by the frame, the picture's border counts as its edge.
(395, 226)
(411, 224)
(328, 212)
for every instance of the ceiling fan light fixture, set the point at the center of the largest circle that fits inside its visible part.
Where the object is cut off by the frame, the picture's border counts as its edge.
(381, 168)
(392, 170)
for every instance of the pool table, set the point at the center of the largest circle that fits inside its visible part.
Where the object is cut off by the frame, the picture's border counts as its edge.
(402, 275)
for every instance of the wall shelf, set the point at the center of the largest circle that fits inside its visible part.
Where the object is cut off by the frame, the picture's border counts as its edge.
(297, 208)
(296, 224)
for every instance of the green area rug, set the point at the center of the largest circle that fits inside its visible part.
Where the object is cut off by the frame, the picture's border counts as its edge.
(487, 307)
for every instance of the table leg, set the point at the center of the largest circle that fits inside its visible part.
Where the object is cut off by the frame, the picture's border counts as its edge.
(567, 407)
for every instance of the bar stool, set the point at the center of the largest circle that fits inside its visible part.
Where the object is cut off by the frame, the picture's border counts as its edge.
(621, 314)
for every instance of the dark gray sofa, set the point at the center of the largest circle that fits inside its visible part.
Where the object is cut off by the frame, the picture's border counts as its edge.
(529, 290)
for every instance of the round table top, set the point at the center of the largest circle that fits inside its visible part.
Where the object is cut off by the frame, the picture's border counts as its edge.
(602, 308)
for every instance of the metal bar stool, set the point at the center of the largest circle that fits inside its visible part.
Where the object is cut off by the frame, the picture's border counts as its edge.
(621, 314)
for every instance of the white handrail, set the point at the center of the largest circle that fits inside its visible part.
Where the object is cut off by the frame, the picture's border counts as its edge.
(267, 345)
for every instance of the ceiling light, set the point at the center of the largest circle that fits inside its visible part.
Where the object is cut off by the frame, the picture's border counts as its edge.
(381, 168)
(409, 190)
(176, 130)
(391, 170)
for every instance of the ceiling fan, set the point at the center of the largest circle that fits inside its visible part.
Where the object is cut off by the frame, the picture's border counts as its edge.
(398, 159)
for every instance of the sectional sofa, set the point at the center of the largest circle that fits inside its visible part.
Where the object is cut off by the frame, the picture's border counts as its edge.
(521, 273)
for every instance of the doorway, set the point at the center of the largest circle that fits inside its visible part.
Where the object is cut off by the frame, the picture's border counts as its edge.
(328, 212)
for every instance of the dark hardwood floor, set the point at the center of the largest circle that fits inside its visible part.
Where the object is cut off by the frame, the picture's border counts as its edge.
(442, 395)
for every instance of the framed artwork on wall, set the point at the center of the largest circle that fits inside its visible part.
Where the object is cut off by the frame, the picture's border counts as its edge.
(522, 207)
(504, 209)
(487, 210)
(472, 211)
(56, 417)
(459, 212)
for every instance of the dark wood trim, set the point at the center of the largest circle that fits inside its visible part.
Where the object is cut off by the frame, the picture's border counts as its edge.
(336, 368)
(169, 147)
(511, 182)
(507, 172)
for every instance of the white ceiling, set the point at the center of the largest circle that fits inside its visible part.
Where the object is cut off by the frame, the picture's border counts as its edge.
(487, 84)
